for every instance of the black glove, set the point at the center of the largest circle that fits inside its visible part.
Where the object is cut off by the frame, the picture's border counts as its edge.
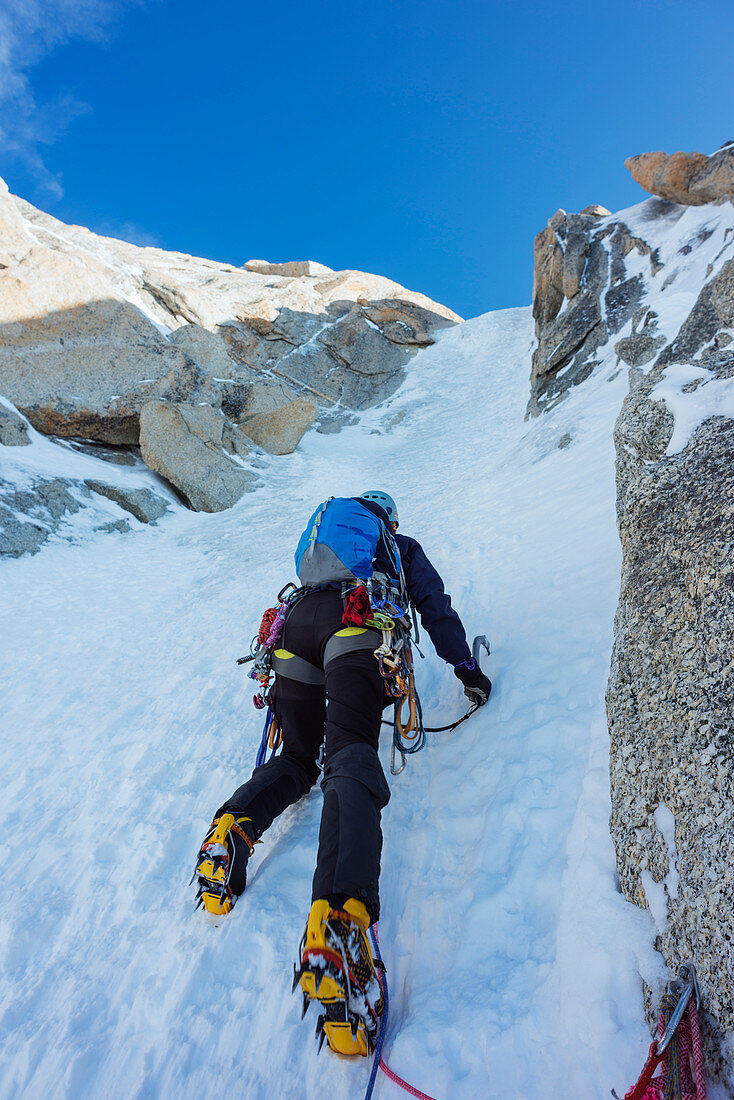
(477, 686)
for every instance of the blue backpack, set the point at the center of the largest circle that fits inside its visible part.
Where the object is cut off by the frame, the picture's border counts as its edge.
(346, 541)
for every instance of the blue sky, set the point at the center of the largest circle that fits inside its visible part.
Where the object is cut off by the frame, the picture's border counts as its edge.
(427, 141)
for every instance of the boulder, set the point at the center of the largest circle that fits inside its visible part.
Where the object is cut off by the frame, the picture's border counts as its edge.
(638, 349)
(144, 504)
(191, 445)
(86, 368)
(279, 432)
(292, 269)
(690, 179)
(13, 428)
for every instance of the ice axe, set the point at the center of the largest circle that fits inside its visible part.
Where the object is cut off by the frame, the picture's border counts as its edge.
(479, 643)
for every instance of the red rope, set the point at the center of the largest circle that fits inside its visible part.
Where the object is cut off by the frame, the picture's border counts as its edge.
(383, 1064)
(640, 1091)
(266, 625)
(403, 1084)
(693, 1085)
(357, 607)
(699, 1065)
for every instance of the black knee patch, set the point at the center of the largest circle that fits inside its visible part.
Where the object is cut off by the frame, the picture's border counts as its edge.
(361, 763)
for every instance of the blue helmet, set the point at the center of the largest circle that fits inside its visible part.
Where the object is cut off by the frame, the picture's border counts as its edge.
(385, 501)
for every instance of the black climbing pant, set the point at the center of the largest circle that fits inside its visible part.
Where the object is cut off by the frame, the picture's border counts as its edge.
(346, 712)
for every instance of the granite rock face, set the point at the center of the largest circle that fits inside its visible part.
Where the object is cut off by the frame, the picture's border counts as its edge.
(583, 295)
(653, 293)
(280, 431)
(13, 428)
(191, 446)
(93, 330)
(669, 700)
(691, 179)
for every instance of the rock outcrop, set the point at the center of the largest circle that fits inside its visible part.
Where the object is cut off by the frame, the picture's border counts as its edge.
(29, 515)
(292, 268)
(669, 699)
(44, 506)
(88, 369)
(94, 330)
(144, 504)
(653, 293)
(691, 179)
(583, 295)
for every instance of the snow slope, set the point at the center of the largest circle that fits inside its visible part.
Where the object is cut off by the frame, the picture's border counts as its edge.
(514, 963)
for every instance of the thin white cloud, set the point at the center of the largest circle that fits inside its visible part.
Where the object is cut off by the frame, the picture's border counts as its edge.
(126, 231)
(29, 31)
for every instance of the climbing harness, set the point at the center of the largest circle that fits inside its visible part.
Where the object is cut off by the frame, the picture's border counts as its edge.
(395, 658)
(263, 656)
(371, 614)
(378, 1061)
(678, 1046)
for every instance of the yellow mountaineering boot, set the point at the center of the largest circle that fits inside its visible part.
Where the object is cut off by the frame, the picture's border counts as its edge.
(337, 969)
(221, 865)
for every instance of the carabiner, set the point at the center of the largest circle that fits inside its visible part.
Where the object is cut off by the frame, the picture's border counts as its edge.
(393, 769)
(686, 985)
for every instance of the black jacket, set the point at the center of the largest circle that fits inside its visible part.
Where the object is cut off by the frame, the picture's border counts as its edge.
(433, 603)
(426, 591)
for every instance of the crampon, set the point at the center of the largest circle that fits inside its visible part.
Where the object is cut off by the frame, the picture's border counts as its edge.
(337, 969)
(221, 863)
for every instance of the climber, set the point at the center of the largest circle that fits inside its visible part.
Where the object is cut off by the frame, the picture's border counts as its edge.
(321, 661)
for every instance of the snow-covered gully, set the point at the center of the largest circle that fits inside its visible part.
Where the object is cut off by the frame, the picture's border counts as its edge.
(514, 963)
